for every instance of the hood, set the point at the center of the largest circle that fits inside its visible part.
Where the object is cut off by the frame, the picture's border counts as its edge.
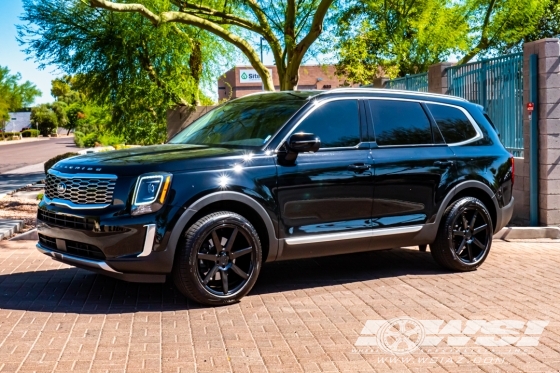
(136, 161)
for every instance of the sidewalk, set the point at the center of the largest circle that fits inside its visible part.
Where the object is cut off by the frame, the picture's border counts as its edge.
(24, 140)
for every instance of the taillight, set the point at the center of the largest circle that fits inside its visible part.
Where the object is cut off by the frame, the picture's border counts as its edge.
(512, 170)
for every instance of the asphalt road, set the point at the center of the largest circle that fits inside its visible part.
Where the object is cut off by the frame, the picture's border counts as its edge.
(24, 154)
(20, 164)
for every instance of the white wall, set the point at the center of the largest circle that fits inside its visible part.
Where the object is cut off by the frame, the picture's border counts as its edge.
(18, 121)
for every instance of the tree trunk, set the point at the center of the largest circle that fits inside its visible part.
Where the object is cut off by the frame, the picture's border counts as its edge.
(195, 65)
(289, 77)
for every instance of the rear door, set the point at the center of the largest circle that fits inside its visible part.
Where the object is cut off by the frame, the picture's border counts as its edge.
(413, 166)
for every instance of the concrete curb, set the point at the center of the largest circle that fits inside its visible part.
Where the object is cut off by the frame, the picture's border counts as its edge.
(527, 233)
(10, 227)
(31, 235)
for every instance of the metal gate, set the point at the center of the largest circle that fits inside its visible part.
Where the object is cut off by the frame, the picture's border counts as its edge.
(497, 85)
(416, 82)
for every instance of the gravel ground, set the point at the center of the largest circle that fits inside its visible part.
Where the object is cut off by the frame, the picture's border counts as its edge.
(19, 208)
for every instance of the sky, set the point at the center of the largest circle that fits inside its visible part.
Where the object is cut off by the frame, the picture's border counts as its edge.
(11, 54)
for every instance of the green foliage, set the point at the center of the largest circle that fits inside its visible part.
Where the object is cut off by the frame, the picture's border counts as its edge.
(30, 133)
(8, 136)
(121, 64)
(51, 162)
(14, 95)
(40, 196)
(394, 38)
(46, 119)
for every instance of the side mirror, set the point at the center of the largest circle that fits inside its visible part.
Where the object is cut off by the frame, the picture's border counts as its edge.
(300, 143)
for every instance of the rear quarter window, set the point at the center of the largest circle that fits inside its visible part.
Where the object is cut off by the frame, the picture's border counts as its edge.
(452, 122)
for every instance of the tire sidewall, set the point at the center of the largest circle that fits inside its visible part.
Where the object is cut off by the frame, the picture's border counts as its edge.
(193, 244)
(456, 210)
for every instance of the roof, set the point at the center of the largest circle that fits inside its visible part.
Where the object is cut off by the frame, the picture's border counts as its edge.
(373, 92)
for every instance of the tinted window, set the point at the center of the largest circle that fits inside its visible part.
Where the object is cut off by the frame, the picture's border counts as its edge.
(400, 123)
(453, 123)
(239, 123)
(336, 123)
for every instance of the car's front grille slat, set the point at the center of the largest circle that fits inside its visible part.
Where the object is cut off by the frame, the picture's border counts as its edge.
(80, 191)
(63, 220)
(78, 249)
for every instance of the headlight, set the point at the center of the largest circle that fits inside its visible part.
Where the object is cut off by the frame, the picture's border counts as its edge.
(150, 193)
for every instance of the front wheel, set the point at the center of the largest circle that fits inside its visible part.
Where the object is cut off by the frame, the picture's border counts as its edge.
(464, 237)
(218, 260)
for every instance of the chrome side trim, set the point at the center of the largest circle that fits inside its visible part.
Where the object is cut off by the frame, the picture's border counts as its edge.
(70, 259)
(82, 176)
(149, 240)
(389, 91)
(351, 235)
(72, 205)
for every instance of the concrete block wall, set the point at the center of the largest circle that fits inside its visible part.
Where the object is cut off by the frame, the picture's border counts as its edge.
(182, 116)
(548, 51)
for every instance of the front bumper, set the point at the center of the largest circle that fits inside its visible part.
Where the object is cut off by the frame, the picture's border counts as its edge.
(99, 266)
(133, 248)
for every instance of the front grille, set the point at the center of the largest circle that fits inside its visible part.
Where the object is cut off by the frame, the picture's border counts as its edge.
(48, 242)
(80, 191)
(79, 249)
(63, 220)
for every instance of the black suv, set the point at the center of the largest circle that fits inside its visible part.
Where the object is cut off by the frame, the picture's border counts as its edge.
(284, 175)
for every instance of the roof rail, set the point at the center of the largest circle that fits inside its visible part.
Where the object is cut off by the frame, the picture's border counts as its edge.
(384, 90)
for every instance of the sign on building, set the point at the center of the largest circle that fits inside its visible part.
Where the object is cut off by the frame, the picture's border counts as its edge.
(250, 76)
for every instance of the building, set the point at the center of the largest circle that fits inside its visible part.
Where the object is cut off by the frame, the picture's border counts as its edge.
(243, 80)
(18, 120)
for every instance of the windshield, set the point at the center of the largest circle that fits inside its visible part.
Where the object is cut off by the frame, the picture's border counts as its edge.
(239, 124)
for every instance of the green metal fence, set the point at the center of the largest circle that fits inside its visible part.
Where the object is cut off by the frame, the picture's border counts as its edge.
(416, 82)
(497, 85)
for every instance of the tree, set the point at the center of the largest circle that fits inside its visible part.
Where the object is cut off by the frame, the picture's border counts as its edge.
(290, 27)
(396, 37)
(121, 63)
(400, 37)
(46, 119)
(495, 23)
(14, 95)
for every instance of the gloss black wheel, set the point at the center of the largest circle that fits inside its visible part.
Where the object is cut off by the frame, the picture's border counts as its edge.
(464, 237)
(220, 259)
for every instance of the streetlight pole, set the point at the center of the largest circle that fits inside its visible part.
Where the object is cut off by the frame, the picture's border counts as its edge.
(262, 60)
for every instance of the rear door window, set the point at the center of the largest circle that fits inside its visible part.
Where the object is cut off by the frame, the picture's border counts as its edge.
(400, 123)
(453, 123)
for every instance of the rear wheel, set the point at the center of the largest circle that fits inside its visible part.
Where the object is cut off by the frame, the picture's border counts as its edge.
(218, 260)
(464, 237)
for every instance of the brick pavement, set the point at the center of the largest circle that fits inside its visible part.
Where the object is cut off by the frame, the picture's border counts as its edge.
(301, 316)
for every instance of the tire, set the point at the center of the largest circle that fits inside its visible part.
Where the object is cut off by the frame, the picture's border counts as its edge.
(464, 237)
(208, 269)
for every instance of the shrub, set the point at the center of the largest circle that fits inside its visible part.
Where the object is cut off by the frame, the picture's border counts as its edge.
(30, 133)
(51, 162)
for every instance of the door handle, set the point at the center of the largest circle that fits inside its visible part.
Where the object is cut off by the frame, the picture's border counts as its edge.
(359, 167)
(443, 164)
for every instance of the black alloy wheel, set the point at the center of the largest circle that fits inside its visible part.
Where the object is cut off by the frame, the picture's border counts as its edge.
(225, 260)
(220, 259)
(464, 237)
(471, 234)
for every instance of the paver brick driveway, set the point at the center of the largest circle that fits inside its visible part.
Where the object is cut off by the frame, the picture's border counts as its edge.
(301, 316)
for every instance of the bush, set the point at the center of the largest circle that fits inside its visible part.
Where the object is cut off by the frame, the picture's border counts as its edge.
(30, 133)
(51, 162)
(9, 135)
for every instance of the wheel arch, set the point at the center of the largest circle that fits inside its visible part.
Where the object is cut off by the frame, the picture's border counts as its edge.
(234, 202)
(476, 189)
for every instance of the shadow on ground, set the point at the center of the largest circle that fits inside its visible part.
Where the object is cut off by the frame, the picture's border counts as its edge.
(74, 290)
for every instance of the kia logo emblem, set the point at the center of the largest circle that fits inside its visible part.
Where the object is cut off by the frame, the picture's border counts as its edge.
(61, 188)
